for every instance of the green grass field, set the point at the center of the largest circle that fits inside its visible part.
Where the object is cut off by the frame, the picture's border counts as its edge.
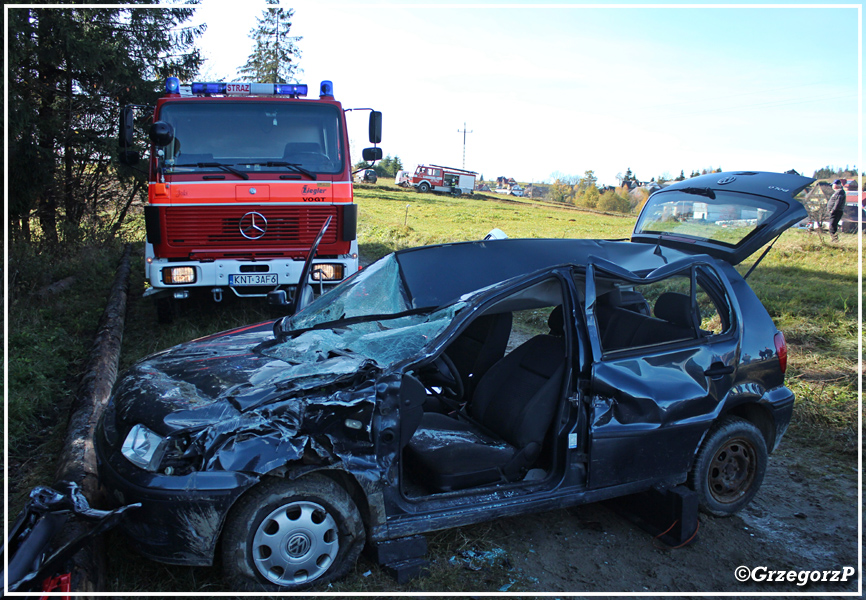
(391, 218)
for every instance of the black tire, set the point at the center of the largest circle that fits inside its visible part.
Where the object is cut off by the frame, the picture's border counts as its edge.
(423, 187)
(312, 523)
(729, 467)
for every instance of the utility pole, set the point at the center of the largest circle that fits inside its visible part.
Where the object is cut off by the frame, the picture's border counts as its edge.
(464, 132)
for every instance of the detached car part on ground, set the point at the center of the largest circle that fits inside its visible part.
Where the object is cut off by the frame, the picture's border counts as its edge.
(406, 400)
(34, 559)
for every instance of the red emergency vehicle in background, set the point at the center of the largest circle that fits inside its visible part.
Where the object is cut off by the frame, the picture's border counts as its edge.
(443, 179)
(242, 179)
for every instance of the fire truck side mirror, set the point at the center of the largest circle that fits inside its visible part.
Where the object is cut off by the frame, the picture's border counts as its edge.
(127, 125)
(371, 154)
(161, 133)
(375, 127)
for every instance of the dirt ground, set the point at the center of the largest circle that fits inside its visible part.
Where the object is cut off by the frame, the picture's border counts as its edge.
(803, 519)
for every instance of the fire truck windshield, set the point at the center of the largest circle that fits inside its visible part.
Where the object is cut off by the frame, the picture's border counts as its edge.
(253, 136)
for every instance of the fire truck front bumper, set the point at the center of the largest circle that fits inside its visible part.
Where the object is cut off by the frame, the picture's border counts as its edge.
(243, 278)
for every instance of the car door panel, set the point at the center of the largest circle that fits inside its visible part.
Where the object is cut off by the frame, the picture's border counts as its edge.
(650, 405)
(649, 411)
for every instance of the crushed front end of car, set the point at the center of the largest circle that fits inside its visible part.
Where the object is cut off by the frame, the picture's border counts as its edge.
(190, 429)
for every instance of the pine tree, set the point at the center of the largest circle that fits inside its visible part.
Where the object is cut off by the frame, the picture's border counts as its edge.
(274, 58)
(70, 71)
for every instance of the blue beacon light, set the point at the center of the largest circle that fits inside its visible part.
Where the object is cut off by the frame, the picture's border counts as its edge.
(172, 85)
(290, 89)
(326, 88)
(208, 88)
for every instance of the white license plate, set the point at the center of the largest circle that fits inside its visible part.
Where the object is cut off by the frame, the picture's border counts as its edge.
(253, 279)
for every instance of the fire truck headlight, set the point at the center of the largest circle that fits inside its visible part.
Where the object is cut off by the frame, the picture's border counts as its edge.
(178, 275)
(327, 272)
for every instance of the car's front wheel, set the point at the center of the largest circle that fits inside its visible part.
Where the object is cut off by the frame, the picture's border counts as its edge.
(729, 467)
(288, 535)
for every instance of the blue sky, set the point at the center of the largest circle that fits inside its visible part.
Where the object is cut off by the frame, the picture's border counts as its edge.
(566, 89)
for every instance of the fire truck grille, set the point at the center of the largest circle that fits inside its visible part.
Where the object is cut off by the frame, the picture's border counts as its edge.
(189, 227)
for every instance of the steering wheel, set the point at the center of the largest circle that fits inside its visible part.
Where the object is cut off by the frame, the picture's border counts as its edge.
(449, 377)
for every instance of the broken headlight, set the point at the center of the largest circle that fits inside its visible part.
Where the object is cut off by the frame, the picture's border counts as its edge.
(143, 448)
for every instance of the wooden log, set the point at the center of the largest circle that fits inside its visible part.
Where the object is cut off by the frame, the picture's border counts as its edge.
(78, 459)
(57, 286)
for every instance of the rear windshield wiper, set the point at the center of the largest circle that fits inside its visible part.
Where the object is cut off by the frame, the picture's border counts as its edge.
(229, 168)
(708, 192)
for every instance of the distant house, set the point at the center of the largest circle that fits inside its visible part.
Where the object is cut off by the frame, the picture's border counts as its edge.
(505, 182)
(536, 190)
(482, 187)
(820, 192)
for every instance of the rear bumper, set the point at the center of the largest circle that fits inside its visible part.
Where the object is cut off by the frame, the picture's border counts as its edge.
(780, 402)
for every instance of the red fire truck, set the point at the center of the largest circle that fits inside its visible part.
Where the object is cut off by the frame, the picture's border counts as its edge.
(242, 179)
(443, 179)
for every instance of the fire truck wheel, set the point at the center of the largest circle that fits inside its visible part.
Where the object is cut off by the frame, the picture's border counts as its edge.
(423, 187)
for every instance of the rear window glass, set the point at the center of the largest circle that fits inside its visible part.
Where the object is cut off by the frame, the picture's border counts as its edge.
(728, 218)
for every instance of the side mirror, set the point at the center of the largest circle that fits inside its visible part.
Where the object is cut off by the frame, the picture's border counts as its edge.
(161, 133)
(127, 126)
(277, 298)
(375, 127)
(371, 154)
(130, 157)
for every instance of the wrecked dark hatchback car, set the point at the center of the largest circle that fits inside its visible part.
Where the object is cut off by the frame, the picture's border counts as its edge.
(452, 384)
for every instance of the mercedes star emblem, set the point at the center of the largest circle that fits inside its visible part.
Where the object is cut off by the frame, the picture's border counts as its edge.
(253, 225)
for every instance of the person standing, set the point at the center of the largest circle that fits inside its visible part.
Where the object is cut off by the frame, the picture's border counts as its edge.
(835, 208)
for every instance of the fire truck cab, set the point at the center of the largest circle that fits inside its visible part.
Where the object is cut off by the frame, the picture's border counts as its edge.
(242, 178)
(443, 179)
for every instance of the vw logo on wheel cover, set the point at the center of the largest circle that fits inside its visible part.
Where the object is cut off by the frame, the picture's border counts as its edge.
(298, 545)
(253, 225)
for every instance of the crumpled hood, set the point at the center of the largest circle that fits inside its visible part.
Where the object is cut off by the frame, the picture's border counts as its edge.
(217, 378)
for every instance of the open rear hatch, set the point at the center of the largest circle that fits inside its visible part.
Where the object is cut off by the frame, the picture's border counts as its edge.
(726, 215)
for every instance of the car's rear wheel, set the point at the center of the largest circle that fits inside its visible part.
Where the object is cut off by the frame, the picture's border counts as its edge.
(729, 467)
(288, 535)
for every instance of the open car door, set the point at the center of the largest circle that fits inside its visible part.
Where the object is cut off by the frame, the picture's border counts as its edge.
(726, 215)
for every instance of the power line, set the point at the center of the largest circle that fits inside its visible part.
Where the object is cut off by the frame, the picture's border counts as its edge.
(464, 142)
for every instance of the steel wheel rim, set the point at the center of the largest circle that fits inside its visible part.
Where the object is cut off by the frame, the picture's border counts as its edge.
(296, 543)
(732, 470)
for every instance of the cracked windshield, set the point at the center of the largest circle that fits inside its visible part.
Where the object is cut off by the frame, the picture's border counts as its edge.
(375, 292)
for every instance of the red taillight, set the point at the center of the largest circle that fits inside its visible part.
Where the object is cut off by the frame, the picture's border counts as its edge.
(781, 351)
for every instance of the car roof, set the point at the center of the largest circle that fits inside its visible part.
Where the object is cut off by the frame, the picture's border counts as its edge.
(435, 275)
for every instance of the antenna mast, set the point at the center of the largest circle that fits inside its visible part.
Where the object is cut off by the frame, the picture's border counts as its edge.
(464, 132)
